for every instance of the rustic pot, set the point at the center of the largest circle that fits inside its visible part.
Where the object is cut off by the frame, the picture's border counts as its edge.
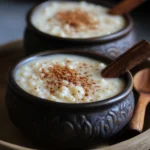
(111, 45)
(71, 125)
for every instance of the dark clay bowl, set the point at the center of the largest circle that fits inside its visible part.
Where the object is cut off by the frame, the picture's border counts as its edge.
(65, 125)
(111, 45)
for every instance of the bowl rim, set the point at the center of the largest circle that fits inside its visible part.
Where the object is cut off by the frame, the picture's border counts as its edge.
(16, 88)
(98, 39)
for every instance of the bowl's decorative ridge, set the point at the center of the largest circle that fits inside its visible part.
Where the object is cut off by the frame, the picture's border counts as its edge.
(101, 126)
(73, 124)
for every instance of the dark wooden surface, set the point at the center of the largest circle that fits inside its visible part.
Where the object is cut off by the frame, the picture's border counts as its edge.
(10, 54)
(12, 24)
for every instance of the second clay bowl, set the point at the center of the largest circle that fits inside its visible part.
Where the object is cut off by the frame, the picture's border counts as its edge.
(110, 45)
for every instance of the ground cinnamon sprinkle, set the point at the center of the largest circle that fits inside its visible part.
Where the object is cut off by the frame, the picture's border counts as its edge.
(60, 73)
(76, 18)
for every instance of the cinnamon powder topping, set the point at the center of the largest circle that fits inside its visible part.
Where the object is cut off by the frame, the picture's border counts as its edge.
(76, 18)
(58, 74)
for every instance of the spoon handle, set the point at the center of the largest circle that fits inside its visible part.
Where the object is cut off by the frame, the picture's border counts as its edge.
(137, 121)
(128, 60)
(125, 6)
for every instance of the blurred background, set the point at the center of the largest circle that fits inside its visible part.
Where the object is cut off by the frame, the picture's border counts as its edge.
(13, 12)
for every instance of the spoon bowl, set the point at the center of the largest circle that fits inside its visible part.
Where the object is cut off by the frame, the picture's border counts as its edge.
(142, 81)
(142, 85)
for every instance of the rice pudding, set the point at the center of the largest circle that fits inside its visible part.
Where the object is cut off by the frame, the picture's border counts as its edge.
(67, 78)
(76, 20)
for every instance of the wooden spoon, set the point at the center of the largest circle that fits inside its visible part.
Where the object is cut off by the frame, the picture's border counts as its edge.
(128, 60)
(142, 86)
(125, 6)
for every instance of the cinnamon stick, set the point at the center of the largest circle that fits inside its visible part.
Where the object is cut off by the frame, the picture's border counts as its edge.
(124, 7)
(128, 60)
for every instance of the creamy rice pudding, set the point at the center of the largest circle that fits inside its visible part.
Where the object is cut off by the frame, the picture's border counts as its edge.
(67, 78)
(76, 20)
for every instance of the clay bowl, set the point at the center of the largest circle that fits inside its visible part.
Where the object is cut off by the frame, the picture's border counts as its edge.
(71, 125)
(111, 45)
